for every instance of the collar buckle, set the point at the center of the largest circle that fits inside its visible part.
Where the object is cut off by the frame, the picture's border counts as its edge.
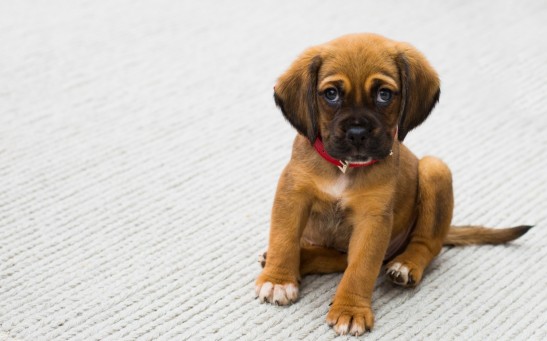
(344, 166)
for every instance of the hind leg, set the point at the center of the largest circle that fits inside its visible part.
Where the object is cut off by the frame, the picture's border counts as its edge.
(317, 260)
(436, 203)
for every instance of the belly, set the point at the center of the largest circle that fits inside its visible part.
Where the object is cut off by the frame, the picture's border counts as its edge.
(328, 226)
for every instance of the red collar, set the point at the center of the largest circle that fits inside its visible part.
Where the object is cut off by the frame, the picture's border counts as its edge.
(342, 165)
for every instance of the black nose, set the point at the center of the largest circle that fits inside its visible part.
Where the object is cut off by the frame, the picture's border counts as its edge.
(357, 135)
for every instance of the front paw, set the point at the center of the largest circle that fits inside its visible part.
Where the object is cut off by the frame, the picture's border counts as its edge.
(350, 319)
(274, 290)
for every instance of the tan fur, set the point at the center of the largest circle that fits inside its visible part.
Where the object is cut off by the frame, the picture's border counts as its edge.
(320, 214)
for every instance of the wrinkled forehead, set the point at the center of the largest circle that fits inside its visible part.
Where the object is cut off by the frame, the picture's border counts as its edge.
(357, 69)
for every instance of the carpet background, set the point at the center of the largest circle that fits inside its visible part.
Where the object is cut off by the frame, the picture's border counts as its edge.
(140, 149)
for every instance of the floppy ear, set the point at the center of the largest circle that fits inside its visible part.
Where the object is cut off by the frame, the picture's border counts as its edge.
(296, 94)
(420, 88)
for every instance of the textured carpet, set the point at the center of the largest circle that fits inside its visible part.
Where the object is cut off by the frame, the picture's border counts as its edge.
(140, 149)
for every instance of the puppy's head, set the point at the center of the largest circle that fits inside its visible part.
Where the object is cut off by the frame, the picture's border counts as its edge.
(356, 93)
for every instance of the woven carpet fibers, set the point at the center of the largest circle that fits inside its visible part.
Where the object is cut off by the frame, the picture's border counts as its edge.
(140, 149)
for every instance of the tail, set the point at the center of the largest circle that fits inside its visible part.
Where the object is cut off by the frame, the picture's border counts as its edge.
(469, 235)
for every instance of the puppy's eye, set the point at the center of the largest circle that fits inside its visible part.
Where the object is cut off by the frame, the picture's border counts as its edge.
(332, 95)
(384, 96)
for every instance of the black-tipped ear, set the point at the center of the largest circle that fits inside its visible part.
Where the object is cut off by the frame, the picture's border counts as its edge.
(420, 88)
(296, 94)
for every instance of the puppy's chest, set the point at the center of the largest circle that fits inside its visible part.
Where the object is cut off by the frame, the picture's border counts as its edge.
(336, 188)
(329, 224)
(334, 201)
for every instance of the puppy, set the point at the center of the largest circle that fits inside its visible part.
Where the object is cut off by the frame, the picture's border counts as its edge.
(352, 195)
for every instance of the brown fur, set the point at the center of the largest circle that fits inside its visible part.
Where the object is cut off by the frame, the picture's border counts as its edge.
(319, 214)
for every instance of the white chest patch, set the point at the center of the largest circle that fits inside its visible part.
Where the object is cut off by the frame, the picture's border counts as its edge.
(337, 187)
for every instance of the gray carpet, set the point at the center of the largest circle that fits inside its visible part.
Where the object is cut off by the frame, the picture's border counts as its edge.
(140, 149)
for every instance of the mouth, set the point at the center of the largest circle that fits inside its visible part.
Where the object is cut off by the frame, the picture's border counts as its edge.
(359, 159)
(341, 150)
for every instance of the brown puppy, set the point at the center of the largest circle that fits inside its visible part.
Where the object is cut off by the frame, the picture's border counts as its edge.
(352, 195)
